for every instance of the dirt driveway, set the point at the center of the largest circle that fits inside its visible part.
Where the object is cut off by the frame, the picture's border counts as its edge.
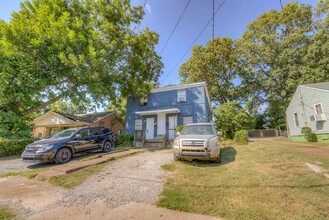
(133, 182)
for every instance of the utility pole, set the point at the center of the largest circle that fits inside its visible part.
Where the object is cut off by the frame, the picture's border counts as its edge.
(302, 103)
(281, 4)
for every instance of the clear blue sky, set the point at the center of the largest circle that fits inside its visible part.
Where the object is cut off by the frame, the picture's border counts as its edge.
(161, 17)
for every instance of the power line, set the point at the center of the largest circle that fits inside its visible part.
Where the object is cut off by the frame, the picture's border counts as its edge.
(193, 42)
(172, 32)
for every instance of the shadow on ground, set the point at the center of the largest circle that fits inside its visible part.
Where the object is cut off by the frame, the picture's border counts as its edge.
(227, 155)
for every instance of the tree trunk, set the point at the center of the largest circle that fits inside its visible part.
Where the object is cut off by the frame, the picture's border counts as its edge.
(43, 105)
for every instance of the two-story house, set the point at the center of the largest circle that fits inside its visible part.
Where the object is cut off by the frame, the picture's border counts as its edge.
(165, 108)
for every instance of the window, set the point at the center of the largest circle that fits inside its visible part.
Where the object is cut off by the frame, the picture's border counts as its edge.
(187, 120)
(143, 101)
(39, 135)
(84, 133)
(181, 95)
(318, 109)
(138, 124)
(296, 119)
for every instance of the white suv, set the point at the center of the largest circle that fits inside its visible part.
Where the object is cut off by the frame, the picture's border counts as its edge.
(197, 141)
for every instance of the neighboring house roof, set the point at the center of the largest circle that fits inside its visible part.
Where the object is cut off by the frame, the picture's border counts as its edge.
(319, 86)
(90, 117)
(184, 86)
(323, 86)
(79, 118)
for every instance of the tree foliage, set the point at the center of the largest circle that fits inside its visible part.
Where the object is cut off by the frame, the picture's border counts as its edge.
(78, 50)
(279, 51)
(216, 64)
(230, 118)
(68, 107)
(118, 105)
(82, 50)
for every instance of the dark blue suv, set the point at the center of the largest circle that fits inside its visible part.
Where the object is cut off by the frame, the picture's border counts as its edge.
(61, 146)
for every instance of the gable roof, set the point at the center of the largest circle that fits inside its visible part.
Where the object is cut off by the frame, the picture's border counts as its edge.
(319, 86)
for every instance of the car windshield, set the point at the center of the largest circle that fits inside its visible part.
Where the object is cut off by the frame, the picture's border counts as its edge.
(64, 134)
(198, 130)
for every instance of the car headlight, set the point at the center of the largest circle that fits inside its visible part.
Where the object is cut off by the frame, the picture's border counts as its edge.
(44, 148)
(176, 143)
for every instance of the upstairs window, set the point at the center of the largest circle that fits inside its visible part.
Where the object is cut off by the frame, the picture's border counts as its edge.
(296, 119)
(318, 109)
(143, 101)
(181, 95)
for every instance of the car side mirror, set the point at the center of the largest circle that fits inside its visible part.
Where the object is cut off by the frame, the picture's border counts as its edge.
(178, 133)
(219, 133)
(77, 136)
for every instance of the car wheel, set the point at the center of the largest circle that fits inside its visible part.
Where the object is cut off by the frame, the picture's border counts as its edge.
(107, 146)
(218, 159)
(176, 158)
(63, 155)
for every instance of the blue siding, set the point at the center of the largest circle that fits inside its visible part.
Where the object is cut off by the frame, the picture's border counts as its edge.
(196, 105)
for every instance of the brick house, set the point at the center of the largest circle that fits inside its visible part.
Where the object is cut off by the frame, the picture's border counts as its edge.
(53, 122)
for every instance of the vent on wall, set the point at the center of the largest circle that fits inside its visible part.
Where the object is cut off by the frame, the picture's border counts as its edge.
(182, 99)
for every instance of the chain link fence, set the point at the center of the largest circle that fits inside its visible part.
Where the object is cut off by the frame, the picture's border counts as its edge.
(266, 133)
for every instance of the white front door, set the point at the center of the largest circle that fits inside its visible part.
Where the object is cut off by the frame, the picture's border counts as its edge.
(172, 127)
(161, 124)
(149, 128)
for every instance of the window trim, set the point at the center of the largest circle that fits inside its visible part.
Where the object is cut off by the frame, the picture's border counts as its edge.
(183, 91)
(295, 119)
(320, 103)
(141, 124)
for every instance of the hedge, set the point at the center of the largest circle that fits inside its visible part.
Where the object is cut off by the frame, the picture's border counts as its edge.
(11, 147)
(125, 140)
(241, 137)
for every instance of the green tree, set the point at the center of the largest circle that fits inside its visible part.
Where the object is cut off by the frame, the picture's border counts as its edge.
(217, 65)
(231, 117)
(119, 106)
(83, 50)
(273, 51)
(78, 50)
(69, 108)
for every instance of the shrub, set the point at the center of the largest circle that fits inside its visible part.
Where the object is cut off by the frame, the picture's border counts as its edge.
(308, 134)
(125, 140)
(179, 128)
(241, 137)
(11, 147)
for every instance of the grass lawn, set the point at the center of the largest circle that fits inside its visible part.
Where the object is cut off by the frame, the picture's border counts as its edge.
(261, 180)
(6, 213)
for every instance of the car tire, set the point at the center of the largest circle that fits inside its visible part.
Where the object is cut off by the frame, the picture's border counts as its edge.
(107, 146)
(218, 159)
(63, 155)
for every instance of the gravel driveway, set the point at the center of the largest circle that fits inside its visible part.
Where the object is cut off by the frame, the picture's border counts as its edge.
(137, 178)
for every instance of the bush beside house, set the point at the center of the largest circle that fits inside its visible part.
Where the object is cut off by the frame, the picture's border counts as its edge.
(125, 140)
(308, 134)
(11, 147)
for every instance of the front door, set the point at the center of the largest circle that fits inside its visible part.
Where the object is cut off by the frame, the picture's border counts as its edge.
(172, 127)
(149, 128)
(161, 124)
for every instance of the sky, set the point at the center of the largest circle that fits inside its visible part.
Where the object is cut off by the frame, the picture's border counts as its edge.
(162, 15)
